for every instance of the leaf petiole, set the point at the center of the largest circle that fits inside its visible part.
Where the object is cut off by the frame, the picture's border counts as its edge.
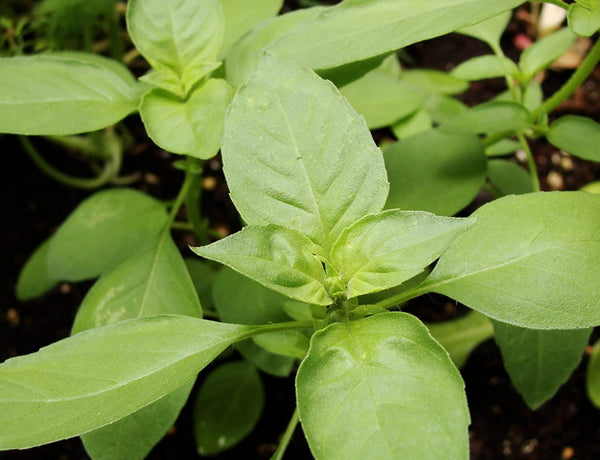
(287, 436)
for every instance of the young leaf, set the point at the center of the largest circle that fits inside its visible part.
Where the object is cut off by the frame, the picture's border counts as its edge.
(503, 147)
(239, 300)
(414, 124)
(482, 67)
(240, 18)
(358, 29)
(382, 99)
(80, 94)
(178, 37)
(530, 260)
(383, 250)
(192, 127)
(461, 336)
(105, 229)
(579, 136)
(539, 362)
(491, 117)
(56, 393)
(545, 51)
(434, 81)
(490, 30)
(381, 387)
(592, 376)
(151, 282)
(134, 436)
(435, 172)
(443, 108)
(286, 343)
(34, 279)
(508, 178)
(281, 259)
(583, 21)
(296, 154)
(228, 406)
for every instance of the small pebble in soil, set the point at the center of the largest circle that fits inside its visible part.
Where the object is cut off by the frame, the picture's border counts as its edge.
(64, 288)
(12, 316)
(150, 178)
(529, 447)
(521, 156)
(567, 453)
(566, 163)
(555, 180)
(506, 448)
(209, 183)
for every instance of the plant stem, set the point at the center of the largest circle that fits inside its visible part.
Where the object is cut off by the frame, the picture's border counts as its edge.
(287, 436)
(83, 144)
(192, 201)
(182, 226)
(72, 181)
(183, 192)
(579, 76)
(275, 327)
(400, 298)
(535, 182)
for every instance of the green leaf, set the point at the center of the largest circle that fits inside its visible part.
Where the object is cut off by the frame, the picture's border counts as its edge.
(502, 147)
(240, 300)
(228, 407)
(105, 229)
(134, 436)
(281, 259)
(434, 81)
(592, 376)
(296, 154)
(383, 250)
(583, 21)
(490, 30)
(151, 282)
(357, 29)
(202, 276)
(381, 387)
(414, 124)
(508, 178)
(487, 66)
(56, 393)
(192, 127)
(545, 51)
(435, 172)
(443, 108)
(530, 260)
(461, 336)
(286, 343)
(539, 362)
(178, 37)
(533, 96)
(592, 187)
(579, 136)
(245, 55)
(34, 279)
(69, 95)
(491, 117)
(241, 17)
(382, 99)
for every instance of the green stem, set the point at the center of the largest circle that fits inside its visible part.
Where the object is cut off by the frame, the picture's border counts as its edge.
(275, 327)
(400, 298)
(83, 144)
(287, 436)
(192, 202)
(535, 182)
(182, 226)
(183, 192)
(579, 76)
(72, 181)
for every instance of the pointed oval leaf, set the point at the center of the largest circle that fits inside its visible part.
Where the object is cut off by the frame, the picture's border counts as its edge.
(192, 127)
(381, 387)
(34, 279)
(277, 365)
(383, 250)
(491, 117)
(482, 67)
(286, 343)
(182, 36)
(103, 230)
(102, 375)
(507, 178)
(530, 260)
(539, 362)
(502, 147)
(228, 406)
(545, 51)
(461, 336)
(357, 29)
(71, 95)
(412, 125)
(435, 172)
(281, 259)
(489, 30)
(579, 136)
(296, 154)
(435, 81)
(583, 21)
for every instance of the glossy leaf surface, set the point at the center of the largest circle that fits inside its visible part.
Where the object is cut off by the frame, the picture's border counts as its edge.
(539, 362)
(228, 406)
(103, 230)
(383, 250)
(579, 136)
(296, 154)
(435, 172)
(191, 127)
(549, 242)
(70, 95)
(56, 393)
(347, 409)
(282, 260)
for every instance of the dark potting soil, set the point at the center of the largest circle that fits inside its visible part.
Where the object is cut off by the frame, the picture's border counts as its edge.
(32, 206)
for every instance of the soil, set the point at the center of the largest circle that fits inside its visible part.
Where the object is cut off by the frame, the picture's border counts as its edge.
(32, 206)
